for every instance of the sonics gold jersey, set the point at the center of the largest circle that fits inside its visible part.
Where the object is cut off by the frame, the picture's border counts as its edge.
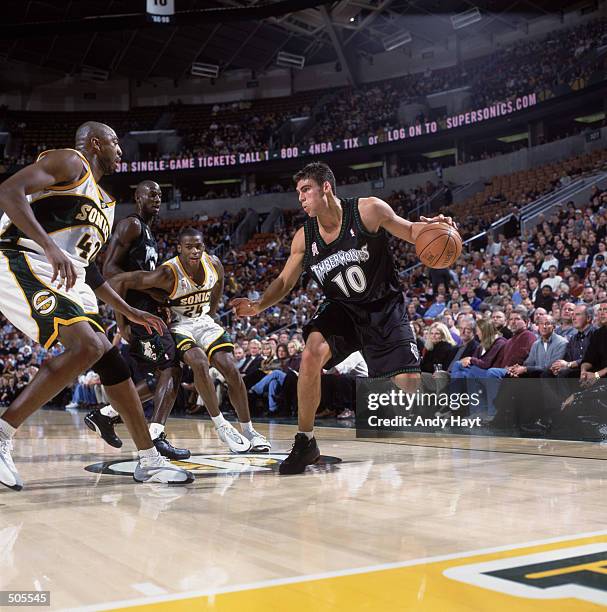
(78, 217)
(188, 299)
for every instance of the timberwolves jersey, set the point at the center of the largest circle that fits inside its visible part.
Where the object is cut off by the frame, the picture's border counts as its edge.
(78, 217)
(143, 255)
(357, 267)
(188, 299)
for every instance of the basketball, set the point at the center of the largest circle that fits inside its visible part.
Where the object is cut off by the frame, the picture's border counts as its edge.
(438, 245)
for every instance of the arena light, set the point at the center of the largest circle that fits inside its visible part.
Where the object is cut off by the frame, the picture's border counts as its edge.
(366, 166)
(514, 137)
(290, 60)
(221, 182)
(90, 73)
(206, 71)
(394, 41)
(148, 132)
(590, 118)
(436, 154)
(465, 19)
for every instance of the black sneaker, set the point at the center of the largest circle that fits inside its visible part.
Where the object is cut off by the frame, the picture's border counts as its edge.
(166, 449)
(304, 452)
(104, 426)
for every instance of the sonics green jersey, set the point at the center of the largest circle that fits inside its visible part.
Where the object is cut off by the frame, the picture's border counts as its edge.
(78, 217)
(188, 299)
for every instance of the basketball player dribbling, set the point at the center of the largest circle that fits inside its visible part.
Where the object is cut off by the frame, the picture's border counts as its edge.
(56, 220)
(344, 246)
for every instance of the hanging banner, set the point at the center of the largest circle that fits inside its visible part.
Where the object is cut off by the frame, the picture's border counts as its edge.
(499, 109)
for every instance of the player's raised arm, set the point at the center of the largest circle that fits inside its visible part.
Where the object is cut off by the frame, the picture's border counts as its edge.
(281, 286)
(140, 280)
(376, 213)
(55, 167)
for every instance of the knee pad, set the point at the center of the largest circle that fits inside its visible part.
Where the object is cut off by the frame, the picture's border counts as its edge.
(112, 368)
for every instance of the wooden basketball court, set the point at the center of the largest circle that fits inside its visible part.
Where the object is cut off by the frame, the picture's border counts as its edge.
(423, 523)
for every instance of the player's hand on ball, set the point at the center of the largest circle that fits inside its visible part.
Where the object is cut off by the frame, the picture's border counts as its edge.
(148, 320)
(244, 307)
(439, 219)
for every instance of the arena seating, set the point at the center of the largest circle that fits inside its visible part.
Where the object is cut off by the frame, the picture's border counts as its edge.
(372, 108)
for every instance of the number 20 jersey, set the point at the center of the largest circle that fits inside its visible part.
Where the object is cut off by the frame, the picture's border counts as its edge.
(189, 300)
(357, 267)
(78, 217)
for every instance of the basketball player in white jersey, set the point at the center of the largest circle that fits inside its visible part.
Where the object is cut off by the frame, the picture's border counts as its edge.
(194, 283)
(56, 220)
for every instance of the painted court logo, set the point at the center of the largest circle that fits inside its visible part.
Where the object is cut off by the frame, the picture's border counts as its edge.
(578, 572)
(212, 464)
(44, 302)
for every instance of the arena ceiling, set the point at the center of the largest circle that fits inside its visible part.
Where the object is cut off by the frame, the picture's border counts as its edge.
(64, 37)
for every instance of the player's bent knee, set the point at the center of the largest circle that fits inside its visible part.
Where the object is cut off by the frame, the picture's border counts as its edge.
(232, 375)
(315, 357)
(89, 351)
(112, 368)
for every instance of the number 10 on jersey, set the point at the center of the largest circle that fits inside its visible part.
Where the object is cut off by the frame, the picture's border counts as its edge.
(353, 278)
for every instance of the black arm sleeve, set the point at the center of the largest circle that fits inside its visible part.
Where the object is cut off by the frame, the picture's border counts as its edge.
(93, 276)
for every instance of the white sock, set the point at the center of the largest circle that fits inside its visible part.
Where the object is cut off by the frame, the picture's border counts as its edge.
(218, 421)
(155, 430)
(7, 431)
(148, 453)
(308, 434)
(247, 428)
(108, 411)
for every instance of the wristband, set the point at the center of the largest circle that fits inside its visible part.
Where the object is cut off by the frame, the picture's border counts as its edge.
(93, 276)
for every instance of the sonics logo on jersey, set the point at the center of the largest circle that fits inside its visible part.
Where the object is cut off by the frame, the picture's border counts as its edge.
(44, 302)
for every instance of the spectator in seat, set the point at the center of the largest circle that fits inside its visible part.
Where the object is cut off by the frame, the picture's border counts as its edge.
(568, 368)
(250, 369)
(545, 299)
(439, 350)
(485, 355)
(514, 352)
(522, 405)
(566, 327)
(553, 280)
(588, 296)
(469, 343)
(594, 362)
(273, 374)
(494, 299)
(498, 318)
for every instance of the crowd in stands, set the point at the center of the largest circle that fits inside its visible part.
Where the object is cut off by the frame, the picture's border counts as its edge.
(561, 60)
(540, 65)
(525, 67)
